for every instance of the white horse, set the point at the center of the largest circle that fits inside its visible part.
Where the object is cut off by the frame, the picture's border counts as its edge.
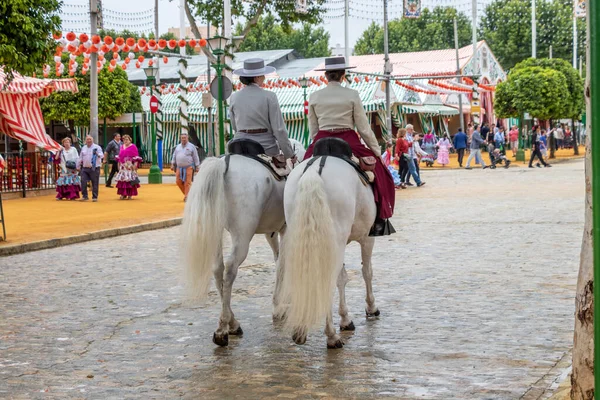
(245, 201)
(324, 213)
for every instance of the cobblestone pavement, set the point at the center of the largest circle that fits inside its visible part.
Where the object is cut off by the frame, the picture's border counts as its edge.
(476, 292)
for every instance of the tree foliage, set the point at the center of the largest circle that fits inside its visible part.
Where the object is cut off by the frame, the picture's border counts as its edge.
(284, 11)
(535, 90)
(116, 96)
(574, 96)
(434, 30)
(26, 28)
(267, 34)
(506, 27)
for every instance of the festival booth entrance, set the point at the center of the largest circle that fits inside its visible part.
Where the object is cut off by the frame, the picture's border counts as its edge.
(29, 168)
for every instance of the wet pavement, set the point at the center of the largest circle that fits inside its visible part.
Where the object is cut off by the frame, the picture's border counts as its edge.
(475, 290)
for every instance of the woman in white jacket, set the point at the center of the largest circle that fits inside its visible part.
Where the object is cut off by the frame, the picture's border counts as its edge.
(68, 184)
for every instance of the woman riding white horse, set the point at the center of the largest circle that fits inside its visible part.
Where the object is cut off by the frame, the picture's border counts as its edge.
(326, 207)
(243, 198)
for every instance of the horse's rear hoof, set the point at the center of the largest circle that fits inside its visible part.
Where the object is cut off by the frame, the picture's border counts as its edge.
(237, 332)
(299, 339)
(375, 314)
(350, 327)
(337, 345)
(221, 340)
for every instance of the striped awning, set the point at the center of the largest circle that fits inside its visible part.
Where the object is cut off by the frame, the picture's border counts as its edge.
(20, 113)
(430, 110)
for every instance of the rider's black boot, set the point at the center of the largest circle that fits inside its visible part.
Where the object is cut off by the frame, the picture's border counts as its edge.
(382, 227)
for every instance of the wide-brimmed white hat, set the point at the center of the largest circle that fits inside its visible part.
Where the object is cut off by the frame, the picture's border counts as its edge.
(335, 63)
(254, 67)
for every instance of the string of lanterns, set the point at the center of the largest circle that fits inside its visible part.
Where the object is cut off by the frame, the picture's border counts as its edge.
(109, 51)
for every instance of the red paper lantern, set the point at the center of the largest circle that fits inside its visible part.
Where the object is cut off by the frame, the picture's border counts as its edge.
(115, 55)
(165, 59)
(124, 66)
(171, 44)
(83, 71)
(82, 48)
(57, 35)
(126, 49)
(138, 64)
(104, 48)
(182, 43)
(141, 59)
(162, 43)
(108, 40)
(71, 48)
(99, 64)
(96, 39)
(113, 62)
(202, 42)
(127, 60)
(193, 42)
(71, 36)
(141, 42)
(150, 63)
(83, 38)
(130, 42)
(100, 57)
(93, 49)
(119, 41)
(152, 43)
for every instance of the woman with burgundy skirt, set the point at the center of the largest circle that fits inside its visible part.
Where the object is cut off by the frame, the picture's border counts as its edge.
(334, 112)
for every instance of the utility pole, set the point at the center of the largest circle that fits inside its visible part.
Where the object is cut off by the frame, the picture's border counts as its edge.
(94, 74)
(211, 128)
(387, 68)
(533, 31)
(474, 32)
(460, 105)
(574, 40)
(550, 52)
(183, 115)
(346, 38)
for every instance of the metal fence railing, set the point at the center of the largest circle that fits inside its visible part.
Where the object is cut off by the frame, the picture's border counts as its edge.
(28, 171)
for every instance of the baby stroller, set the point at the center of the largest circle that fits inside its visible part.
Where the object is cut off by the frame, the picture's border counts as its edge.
(498, 159)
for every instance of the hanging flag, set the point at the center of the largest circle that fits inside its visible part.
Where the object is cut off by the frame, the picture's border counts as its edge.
(412, 8)
(580, 6)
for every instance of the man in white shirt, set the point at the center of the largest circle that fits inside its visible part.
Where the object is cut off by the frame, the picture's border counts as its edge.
(185, 162)
(89, 163)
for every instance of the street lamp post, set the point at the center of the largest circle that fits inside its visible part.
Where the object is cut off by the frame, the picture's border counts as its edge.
(217, 46)
(154, 176)
(304, 82)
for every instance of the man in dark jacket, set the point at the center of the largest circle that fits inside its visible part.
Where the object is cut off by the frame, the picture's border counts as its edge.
(112, 151)
(535, 149)
(460, 144)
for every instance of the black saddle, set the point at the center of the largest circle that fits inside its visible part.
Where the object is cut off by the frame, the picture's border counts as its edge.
(332, 146)
(245, 147)
(250, 149)
(338, 148)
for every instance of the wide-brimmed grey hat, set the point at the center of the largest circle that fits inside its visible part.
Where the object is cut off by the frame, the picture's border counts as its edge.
(254, 67)
(335, 63)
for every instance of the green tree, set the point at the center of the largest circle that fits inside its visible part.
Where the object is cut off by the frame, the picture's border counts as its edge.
(506, 27)
(535, 90)
(367, 43)
(116, 96)
(434, 30)
(26, 28)
(250, 12)
(267, 34)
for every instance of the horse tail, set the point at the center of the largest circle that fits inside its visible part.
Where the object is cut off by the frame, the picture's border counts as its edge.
(310, 257)
(202, 227)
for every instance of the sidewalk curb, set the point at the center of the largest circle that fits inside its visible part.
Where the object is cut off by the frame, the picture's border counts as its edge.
(104, 234)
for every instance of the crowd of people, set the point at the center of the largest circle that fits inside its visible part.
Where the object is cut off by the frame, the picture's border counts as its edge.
(78, 170)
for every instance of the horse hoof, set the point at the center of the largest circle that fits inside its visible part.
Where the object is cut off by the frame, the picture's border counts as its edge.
(299, 339)
(375, 314)
(350, 327)
(221, 340)
(237, 332)
(337, 345)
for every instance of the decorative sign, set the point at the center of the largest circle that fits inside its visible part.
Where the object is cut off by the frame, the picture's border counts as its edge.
(580, 8)
(412, 8)
(380, 92)
(475, 107)
(153, 104)
(227, 88)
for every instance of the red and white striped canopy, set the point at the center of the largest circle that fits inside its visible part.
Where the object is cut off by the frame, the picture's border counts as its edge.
(20, 113)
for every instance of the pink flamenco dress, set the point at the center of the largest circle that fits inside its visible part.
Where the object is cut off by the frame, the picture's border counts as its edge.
(443, 157)
(127, 177)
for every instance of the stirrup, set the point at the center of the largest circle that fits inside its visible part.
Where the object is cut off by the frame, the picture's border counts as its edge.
(381, 227)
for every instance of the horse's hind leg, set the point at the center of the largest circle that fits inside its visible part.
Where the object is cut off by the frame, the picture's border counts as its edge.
(346, 323)
(227, 323)
(334, 341)
(366, 250)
